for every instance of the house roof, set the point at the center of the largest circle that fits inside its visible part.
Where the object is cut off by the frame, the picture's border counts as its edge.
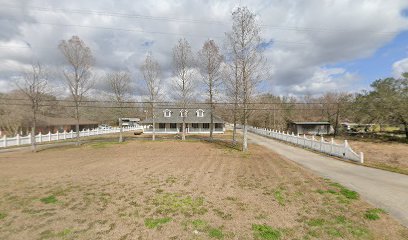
(311, 123)
(55, 121)
(176, 118)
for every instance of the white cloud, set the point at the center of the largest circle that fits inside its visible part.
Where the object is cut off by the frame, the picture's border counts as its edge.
(400, 67)
(307, 35)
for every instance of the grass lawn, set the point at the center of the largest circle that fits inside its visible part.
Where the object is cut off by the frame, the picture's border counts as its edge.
(177, 190)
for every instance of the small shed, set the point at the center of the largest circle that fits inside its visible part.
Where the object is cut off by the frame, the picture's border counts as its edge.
(312, 128)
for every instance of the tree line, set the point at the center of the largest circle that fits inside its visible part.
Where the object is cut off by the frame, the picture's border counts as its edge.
(228, 74)
(241, 64)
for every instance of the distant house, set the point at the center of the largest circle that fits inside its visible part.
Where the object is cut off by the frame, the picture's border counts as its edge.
(170, 121)
(54, 124)
(312, 128)
(130, 122)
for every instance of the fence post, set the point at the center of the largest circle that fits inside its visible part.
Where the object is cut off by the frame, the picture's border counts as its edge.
(345, 148)
(65, 134)
(29, 138)
(89, 132)
(321, 143)
(72, 133)
(361, 157)
(18, 139)
(49, 136)
(40, 137)
(5, 141)
(331, 146)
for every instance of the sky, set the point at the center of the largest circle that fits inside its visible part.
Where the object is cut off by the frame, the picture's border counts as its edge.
(311, 47)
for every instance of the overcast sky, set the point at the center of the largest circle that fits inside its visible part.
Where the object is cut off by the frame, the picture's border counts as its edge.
(312, 46)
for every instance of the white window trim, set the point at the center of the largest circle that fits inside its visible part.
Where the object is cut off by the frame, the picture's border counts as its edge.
(167, 111)
(200, 111)
(183, 111)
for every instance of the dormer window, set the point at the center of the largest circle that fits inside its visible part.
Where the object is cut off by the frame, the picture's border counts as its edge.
(167, 113)
(200, 113)
(183, 113)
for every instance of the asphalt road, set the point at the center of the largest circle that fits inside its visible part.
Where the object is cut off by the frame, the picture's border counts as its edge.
(383, 189)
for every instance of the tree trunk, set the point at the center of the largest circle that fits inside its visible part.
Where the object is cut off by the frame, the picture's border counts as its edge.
(183, 128)
(77, 126)
(212, 119)
(336, 123)
(234, 130)
(120, 130)
(245, 137)
(154, 127)
(33, 143)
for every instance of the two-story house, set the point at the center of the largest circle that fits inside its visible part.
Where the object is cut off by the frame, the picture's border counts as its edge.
(170, 121)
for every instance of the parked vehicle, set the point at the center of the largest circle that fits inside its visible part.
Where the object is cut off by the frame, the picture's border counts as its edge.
(104, 127)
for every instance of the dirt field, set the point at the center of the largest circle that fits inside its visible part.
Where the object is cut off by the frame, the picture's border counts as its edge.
(176, 190)
(384, 155)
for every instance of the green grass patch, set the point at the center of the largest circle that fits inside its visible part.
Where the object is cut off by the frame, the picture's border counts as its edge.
(51, 234)
(156, 222)
(215, 233)
(373, 214)
(199, 224)
(2, 215)
(349, 193)
(170, 203)
(317, 222)
(265, 232)
(49, 199)
(279, 197)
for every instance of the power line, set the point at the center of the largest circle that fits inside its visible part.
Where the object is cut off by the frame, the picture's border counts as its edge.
(187, 108)
(168, 102)
(195, 21)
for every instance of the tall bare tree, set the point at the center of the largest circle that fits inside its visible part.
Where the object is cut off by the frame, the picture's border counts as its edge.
(183, 64)
(209, 61)
(34, 87)
(334, 105)
(151, 74)
(119, 83)
(244, 46)
(77, 73)
(232, 83)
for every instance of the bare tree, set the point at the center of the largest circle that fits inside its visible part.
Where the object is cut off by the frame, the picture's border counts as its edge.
(151, 74)
(232, 83)
(77, 73)
(119, 83)
(334, 106)
(244, 46)
(209, 61)
(183, 63)
(34, 87)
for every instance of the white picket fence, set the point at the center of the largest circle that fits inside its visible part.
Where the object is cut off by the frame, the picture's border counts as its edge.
(332, 148)
(24, 140)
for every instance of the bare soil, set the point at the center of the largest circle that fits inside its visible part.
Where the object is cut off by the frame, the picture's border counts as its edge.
(176, 190)
(384, 155)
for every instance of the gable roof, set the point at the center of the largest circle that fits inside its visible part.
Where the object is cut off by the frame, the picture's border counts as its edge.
(176, 118)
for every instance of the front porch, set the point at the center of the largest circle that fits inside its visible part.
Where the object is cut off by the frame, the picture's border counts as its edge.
(175, 128)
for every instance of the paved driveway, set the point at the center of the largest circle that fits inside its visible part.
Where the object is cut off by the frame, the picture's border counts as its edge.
(381, 188)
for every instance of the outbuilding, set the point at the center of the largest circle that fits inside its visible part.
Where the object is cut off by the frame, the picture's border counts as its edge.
(311, 128)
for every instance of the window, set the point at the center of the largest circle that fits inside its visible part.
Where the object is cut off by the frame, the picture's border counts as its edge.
(206, 125)
(183, 113)
(218, 125)
(167, 113)
(200, 113)
(194, 125)
(173, 125)
(162, 125)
